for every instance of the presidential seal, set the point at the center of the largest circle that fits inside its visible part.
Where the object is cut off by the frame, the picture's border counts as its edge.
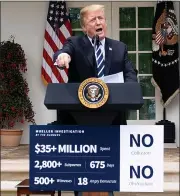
(93, 93)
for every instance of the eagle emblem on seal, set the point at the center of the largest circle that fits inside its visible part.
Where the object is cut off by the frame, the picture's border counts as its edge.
(166, 32)
(93, 93)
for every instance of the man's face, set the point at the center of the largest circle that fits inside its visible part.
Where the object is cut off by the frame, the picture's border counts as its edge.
(95, 24)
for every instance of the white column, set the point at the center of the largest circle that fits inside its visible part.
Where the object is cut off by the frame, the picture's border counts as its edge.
(173, 107)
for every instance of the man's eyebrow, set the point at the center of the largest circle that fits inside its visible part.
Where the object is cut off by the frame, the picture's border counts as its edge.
(92, 18)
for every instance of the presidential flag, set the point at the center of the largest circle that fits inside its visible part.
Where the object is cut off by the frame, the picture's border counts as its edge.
(165, 57)
(58, 29)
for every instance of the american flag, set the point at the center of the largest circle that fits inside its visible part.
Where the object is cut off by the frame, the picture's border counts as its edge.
(58, 29)
(160, 37)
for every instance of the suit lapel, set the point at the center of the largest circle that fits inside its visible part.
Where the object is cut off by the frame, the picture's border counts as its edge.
(108, 54)
(88, 50)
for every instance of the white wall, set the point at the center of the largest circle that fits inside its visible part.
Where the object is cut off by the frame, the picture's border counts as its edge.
(26, 21)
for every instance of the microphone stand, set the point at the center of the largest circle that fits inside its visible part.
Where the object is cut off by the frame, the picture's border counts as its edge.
(95, 41)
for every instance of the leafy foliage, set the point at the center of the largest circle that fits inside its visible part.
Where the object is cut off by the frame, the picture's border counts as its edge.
(15, 105)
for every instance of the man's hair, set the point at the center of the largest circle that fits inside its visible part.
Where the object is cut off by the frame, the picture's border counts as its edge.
(88, 8)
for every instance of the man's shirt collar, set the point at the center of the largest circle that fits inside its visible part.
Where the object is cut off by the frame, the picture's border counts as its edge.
(102, 41)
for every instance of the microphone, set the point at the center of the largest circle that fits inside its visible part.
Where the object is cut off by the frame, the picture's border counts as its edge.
(95, 40)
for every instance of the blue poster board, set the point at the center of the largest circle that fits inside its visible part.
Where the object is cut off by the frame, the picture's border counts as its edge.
(81, 158)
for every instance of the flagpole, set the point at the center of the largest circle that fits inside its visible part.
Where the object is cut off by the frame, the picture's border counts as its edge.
(164, 113)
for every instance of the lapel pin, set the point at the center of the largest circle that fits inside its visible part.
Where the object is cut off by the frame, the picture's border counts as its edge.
(110, 48)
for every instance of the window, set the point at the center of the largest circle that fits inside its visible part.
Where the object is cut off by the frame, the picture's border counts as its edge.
(75, 22)
(134, 27)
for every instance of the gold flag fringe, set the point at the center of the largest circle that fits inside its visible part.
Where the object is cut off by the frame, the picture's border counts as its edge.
(165, 104)
(44, 81)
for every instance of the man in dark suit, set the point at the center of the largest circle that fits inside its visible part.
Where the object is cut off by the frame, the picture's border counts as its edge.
(79, 56)
(78, 53)
(84, 55)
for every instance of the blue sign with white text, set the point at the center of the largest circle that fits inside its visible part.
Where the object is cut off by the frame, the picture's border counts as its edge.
(80, 158)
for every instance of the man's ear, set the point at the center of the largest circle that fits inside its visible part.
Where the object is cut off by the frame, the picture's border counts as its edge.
(83, 28)
(105, 22)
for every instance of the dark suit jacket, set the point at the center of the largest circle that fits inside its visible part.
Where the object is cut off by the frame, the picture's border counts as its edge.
(83, 64)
